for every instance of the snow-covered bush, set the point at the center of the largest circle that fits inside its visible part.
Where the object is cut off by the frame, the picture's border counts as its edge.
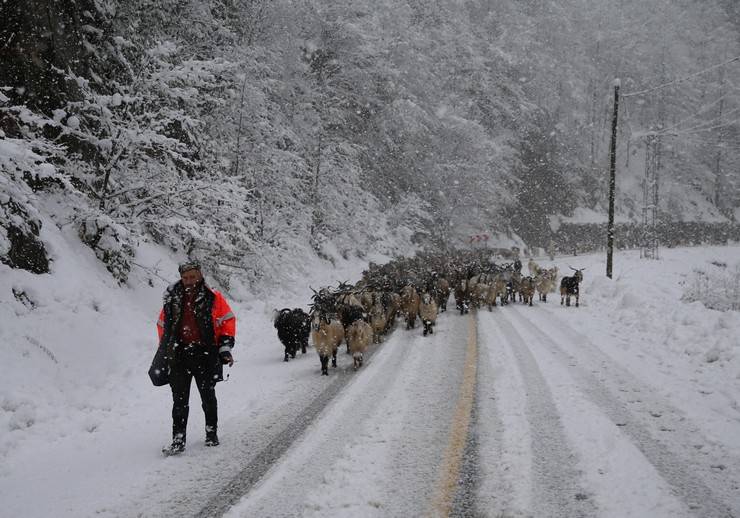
(717, 286)
(20, 224)
(111, 242)
(20, 246)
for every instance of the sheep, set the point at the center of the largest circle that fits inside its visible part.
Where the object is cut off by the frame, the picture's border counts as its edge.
(327, 333)
(428, 313)
(526, 288)
(359, 336)
(569, 286)
(409, 305)
(293, 328)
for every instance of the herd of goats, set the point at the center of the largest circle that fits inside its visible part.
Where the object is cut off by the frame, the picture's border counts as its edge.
(362, 313)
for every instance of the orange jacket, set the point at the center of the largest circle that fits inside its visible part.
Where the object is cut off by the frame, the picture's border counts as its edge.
(223, 321)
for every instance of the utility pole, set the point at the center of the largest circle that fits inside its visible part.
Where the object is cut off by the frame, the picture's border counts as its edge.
(612, 183)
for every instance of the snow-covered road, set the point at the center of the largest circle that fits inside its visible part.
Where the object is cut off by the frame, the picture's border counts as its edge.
(558, 430)
(657, 453)
(601, 443)
(379, 447)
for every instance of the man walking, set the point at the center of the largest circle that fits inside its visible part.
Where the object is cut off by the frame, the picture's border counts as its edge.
(197, 328)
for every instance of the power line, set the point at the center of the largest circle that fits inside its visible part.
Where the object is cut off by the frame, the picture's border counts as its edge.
(664, 85)
(698, 129)
(701, 126)
(696, 114)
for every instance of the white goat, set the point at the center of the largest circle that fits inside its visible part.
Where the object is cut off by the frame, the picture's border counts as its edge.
(359, 336)
(428, 313)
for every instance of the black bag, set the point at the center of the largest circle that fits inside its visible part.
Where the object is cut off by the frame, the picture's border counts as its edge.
(159, 372)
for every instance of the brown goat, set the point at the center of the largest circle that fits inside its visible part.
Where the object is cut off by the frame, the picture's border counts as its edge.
(378, 321)
(442, 289)
(409, 305)
(526, 288)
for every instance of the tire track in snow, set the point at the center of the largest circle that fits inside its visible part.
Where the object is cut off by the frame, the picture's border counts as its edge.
(555, 476)
(502, 429)
(243, 481)
(677, 461)
(219, 502)
(376, 449)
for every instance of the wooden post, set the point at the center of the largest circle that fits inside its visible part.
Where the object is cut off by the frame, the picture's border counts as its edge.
(612, 183)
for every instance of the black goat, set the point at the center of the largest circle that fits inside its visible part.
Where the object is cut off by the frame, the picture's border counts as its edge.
(569, 286)
(293, 327)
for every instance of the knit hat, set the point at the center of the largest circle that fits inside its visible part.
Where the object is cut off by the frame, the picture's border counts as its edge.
(188, 265)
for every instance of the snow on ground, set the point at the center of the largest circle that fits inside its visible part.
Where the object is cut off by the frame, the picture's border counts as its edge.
(687, 353)
(81, 426)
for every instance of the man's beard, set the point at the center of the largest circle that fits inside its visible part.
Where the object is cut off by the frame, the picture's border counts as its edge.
(194, 287)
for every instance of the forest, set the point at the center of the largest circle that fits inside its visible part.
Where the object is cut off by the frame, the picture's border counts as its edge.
(241, 131)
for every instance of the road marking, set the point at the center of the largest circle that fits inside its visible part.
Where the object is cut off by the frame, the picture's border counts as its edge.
(450, 470)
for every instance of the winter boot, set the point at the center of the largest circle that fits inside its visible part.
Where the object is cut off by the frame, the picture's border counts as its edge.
(211, 436)
(177, 446)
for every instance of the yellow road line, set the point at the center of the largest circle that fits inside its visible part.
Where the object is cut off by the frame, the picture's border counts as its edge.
(450, 470)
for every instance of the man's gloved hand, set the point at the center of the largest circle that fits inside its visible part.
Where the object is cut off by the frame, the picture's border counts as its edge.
(226, 358)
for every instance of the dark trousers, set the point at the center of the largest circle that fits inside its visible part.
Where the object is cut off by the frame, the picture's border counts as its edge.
(192, 361)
